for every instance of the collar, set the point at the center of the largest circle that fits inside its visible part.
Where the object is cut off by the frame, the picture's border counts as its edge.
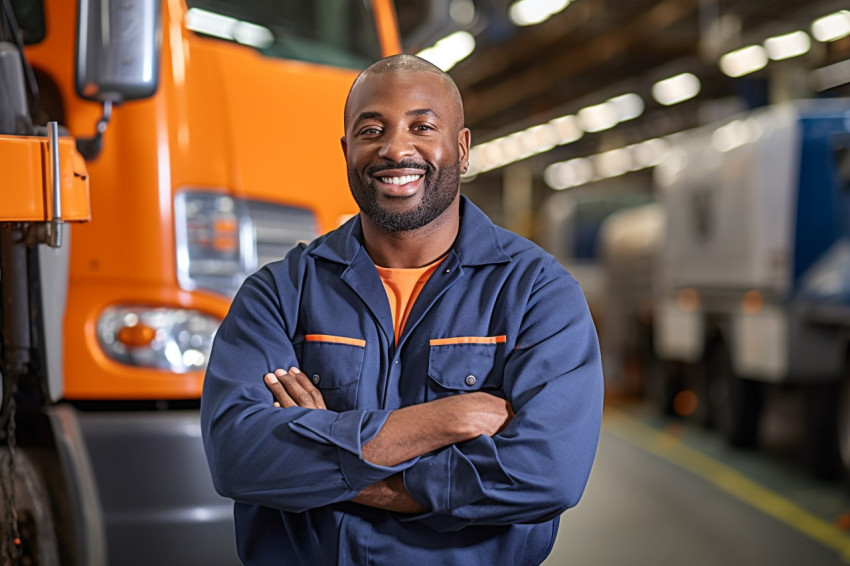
(477, 241)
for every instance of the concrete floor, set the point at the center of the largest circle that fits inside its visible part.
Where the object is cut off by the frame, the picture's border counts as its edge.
(667, 493)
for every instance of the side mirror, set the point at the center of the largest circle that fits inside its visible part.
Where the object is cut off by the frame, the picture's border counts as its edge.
(118, 56)
(118, 45)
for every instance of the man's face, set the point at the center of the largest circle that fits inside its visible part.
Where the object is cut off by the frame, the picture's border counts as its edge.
(404, 146)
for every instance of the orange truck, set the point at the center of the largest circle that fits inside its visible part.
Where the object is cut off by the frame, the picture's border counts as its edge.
(210, 135)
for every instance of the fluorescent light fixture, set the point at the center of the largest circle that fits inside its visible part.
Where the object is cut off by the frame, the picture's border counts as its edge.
(532, 12)
(598, 117)
(628, 106)
(614, 162)
(743, 61)
(450, 50)
(566, 174)
(676, 89)
(567, 128)
(788, 45)
(831, 27)
(650, 153)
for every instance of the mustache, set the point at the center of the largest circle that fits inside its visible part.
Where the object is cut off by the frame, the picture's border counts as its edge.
(425, 167)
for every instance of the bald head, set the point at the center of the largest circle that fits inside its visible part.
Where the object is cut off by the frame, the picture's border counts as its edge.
(410, 64)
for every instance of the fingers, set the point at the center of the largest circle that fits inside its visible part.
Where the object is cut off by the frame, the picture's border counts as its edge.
(293, 389)
(281, 398)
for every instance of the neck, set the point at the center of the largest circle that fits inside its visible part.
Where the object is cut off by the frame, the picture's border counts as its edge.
(412, 248)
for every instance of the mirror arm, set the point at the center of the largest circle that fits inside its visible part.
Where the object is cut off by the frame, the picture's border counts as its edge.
(90, 148)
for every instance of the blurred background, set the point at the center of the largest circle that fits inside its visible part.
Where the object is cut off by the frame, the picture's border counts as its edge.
(687, 161)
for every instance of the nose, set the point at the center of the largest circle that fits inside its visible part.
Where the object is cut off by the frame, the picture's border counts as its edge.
(397, 145)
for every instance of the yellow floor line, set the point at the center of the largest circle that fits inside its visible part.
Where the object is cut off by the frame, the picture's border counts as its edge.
(670, 448)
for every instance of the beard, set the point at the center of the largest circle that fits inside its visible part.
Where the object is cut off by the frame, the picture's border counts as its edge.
(440, 190)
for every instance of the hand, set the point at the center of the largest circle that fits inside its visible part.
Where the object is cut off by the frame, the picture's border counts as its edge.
(293, 389)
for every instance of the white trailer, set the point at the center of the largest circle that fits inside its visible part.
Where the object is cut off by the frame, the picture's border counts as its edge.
(752, 283)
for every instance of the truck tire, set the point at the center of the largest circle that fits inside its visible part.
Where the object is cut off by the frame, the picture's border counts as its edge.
(35, 519)
(734, 403)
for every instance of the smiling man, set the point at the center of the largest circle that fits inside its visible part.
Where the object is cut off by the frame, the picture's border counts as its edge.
(436, 389)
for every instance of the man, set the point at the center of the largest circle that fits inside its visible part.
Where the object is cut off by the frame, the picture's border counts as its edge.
(436, 383)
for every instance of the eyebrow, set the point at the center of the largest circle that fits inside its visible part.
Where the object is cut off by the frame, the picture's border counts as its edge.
(416, 112)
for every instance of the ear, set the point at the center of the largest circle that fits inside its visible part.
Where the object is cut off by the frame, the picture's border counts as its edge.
(344, 145)
(464, 138)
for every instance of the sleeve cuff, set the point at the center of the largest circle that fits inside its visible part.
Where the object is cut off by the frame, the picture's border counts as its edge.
(349, 431)
(455, 477)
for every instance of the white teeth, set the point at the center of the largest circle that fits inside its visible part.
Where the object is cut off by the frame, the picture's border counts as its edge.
(400, 180)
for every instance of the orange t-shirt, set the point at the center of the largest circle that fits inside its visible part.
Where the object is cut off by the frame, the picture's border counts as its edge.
(403, 286)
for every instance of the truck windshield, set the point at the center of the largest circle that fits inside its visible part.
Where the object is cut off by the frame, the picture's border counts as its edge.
(333, 32)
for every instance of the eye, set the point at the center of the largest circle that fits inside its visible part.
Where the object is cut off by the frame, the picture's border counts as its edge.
(369, 131)
(423, 128)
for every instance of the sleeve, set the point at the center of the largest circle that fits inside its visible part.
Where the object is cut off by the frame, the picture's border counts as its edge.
(539, 465)
(292, 459)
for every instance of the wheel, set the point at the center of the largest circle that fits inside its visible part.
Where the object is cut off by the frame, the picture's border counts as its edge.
(35, 521)
(734, 404)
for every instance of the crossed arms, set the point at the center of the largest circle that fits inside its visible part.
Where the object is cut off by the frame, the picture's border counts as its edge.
(465, 459)
(407, 433)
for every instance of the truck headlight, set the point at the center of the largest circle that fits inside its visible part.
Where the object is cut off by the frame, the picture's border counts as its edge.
(222, 239)
(178, 340)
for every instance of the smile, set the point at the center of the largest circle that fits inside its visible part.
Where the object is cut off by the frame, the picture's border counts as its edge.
(402, 180)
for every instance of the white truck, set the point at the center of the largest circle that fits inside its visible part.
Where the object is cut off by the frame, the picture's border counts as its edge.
(753, 274)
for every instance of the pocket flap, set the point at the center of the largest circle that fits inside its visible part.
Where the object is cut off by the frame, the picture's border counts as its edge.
(464, 363)
(332, 361)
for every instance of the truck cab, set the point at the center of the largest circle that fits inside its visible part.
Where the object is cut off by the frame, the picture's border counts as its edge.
(223, 166)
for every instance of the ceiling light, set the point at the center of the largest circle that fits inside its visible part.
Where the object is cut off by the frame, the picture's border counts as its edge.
(676, 89)
(566, 174)
(598, 117)
(650, 152)
(450, 50)
(629, 106)
(531, 12)
(614, 162)
(567, 128)
(743, 61)
(789, 45)
(832, 27)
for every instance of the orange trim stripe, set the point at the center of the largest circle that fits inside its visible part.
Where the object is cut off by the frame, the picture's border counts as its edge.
(469, 340)
(335, 339)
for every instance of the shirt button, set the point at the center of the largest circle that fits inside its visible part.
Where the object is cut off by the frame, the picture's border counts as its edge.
(470, 380)
(315, 379)
(395, 362)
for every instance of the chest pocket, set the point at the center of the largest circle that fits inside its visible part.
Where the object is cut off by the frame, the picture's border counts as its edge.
(333, 364)
(465, 364)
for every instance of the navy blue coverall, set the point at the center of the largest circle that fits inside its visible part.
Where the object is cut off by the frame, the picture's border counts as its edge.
(293, 472)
